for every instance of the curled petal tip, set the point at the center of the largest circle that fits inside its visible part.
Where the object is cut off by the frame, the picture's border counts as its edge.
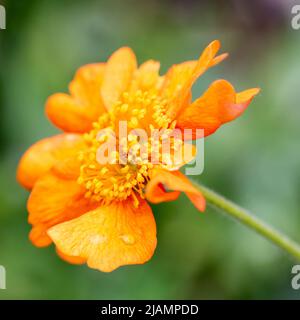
(256, 91)
(219, 59)
(215, 43)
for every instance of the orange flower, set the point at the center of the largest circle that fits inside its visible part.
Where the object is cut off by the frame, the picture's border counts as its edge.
(98, 213)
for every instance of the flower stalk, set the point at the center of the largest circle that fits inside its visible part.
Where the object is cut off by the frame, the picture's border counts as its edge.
(251, 221)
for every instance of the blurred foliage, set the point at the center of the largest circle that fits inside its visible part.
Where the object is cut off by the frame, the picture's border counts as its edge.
(254, 161)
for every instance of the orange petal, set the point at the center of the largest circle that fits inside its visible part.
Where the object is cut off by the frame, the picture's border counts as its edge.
(246, 96)
(38, 236)
(52, 201)
(174, 180)
(70, 259)
(146, 77)
(68, 114)
(41, 157)
(192, 71)
(118, 75)
(156, 193)
(219, 104)
(176, 78)
(85, 87)
(109, 236)
(77, 112)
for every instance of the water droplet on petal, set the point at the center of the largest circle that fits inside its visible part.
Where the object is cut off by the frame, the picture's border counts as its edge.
(128, 239)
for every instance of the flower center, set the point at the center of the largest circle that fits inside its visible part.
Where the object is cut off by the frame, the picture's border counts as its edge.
(142, 110)
(116, 165)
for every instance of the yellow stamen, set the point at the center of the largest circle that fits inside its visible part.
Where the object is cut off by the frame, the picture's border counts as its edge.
(118, 180)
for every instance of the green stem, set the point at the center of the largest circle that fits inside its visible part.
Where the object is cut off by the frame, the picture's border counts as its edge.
(251, 221)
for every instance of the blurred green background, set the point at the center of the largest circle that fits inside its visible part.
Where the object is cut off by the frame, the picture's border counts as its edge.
(254, 161)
